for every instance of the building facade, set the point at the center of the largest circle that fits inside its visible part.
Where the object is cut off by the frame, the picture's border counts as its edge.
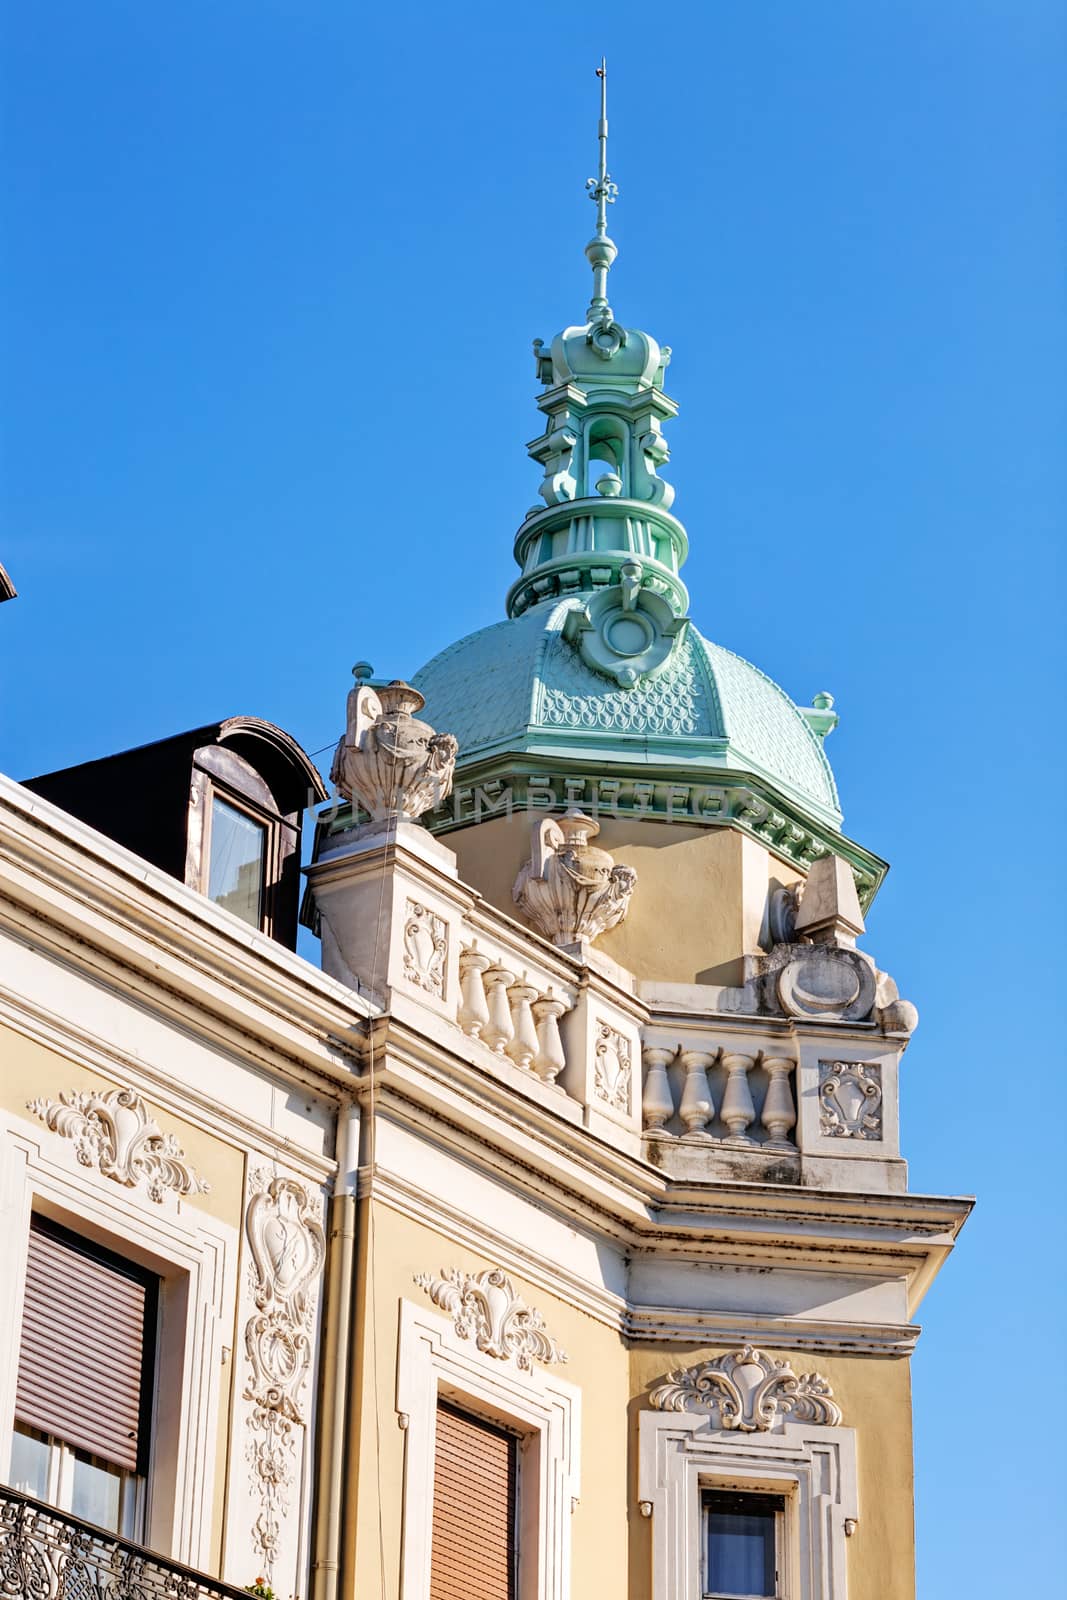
(553, 1239)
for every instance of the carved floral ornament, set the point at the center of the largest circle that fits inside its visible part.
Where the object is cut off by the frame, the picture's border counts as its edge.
(485, 1307)
(287, 1248)
(113, 1131)
(749, 1392)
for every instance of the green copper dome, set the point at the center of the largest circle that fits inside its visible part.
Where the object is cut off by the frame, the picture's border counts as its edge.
(598, 678)
(520, 687)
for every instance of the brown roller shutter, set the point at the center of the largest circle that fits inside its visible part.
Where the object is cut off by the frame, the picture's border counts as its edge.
(473, 1510)
(87, 1347)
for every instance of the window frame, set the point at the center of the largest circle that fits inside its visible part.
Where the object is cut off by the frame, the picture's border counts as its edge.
(544, 1411)
(59, 1491)
(196, 1263)
(223, 774)
(775, 1504)
(813, 1468)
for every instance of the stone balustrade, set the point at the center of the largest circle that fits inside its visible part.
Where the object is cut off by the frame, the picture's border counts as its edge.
(517, 1015)
(719, 1096)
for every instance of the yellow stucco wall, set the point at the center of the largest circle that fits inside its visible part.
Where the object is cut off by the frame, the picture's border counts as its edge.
(611, 1551)
(699, 902)
(597, 1363)
(875, 1399)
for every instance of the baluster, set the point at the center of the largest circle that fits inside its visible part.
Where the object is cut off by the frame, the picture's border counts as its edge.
(779, 1113)
(473, 1010)
(697, 1107)
(550, 1060)
(523, 1047)
(499, 1031)
(657, 1102)
(737, 1108)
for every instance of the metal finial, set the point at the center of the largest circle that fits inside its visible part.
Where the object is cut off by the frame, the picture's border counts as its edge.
(601, 251)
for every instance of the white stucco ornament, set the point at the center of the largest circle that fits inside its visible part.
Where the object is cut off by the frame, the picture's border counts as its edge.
(114, 1132)
(288, 1248)
(485, 1307)
(570, 889)
(748, 1391)
(389, 762)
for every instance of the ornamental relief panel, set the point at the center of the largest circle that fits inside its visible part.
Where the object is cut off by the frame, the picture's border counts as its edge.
(485, 1307)
(287, 1248)
(113, 1132)
(748, 1391)
(425, 948)
(613, 1073)
(850, 1099)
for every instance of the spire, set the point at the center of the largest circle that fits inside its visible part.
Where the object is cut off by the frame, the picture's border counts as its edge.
(601, 251)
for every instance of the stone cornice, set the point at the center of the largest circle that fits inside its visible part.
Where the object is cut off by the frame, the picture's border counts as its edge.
(421, 1082)
(86, 900)
(641, 1323)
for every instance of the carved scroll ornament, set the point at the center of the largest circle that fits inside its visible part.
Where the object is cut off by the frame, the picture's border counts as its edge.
(747, 1391)
(114, 1132)
(288, 1248)
(485, 1307)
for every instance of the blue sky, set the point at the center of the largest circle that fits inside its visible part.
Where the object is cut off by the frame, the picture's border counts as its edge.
(270, 275)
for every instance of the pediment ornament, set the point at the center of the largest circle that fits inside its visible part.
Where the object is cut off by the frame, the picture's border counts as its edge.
(748, 1391)
(485, 1307)
(114, 1132)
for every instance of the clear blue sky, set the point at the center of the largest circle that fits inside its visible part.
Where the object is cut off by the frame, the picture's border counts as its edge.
(270, 275)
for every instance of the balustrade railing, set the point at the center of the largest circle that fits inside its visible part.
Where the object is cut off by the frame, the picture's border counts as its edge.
(715, 1086)
(509, 1012)
(47, 1554)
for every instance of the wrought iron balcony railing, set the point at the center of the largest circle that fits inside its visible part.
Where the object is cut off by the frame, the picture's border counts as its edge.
(47, 1554)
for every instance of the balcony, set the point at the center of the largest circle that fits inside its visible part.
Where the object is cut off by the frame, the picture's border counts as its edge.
(47, 1554)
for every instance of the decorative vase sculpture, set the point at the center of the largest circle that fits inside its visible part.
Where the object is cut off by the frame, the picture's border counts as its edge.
(388, 762)
(571, 889)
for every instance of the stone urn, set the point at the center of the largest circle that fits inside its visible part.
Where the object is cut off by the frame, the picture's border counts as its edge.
(570, 888)
(389, 762)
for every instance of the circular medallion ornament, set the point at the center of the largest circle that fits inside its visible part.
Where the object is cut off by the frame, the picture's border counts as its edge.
(626, 632)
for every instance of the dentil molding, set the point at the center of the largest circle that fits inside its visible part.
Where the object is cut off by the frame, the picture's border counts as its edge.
(114, 1132)
(747, 1391)
(485, 1307)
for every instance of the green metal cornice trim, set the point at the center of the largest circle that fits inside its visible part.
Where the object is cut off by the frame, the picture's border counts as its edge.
(663, 793)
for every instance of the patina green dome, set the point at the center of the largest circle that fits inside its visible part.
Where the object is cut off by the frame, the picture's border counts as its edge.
(520, 687)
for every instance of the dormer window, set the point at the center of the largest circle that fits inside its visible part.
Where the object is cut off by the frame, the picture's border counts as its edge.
(220, 808)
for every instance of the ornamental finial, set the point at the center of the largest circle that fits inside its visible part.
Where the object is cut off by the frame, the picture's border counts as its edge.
(601, 251)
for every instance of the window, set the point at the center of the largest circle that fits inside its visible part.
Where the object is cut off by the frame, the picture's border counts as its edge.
(237, 861)
(741, 1539)
(503, 1447)
(84, 1392)
(474, 1505)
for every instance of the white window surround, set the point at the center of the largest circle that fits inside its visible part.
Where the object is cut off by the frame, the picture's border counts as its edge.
(195, 1258)
(813, 1467)
(434, 1362)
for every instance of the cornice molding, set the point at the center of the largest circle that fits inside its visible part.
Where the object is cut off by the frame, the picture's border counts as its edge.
(85, 899)
(644, 1323)
(55, 1032)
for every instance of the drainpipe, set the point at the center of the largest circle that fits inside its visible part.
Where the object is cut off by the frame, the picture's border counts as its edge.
(329, 1457)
